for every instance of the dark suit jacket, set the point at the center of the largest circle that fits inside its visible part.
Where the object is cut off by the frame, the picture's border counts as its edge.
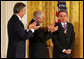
(37, 44)
(17, 36)
(63, 41)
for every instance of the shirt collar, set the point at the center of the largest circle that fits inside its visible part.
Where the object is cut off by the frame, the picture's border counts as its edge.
(18, 16)
(63, 23)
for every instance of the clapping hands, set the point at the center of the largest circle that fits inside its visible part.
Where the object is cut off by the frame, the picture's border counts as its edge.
(52, 27)
(33, 26)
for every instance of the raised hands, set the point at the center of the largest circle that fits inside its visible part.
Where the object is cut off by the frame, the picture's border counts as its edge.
(52, 27)
(33, 26)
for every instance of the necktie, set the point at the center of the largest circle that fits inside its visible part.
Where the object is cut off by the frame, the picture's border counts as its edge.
(64, 28)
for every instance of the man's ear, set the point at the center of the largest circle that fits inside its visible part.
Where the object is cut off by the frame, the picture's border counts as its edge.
(67, 18)
(20, 12)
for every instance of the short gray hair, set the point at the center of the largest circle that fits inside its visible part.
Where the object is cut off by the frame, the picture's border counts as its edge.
(37, 14)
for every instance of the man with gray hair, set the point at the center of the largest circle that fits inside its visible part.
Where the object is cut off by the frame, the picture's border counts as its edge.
(37, 45)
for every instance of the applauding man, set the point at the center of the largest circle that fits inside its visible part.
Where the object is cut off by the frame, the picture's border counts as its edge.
(17, 34)
(37, 44)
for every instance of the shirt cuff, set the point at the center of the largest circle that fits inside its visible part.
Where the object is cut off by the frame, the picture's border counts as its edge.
(63, 50)
(32, 30)
(27, 30)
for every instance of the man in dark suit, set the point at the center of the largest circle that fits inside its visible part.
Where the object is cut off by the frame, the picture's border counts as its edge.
(17, 34)
(62, 37)
(37, 44)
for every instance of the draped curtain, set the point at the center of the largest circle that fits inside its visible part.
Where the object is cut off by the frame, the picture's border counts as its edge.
(75, 15)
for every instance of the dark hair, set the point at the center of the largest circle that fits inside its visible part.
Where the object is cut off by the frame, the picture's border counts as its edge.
(62, 11)
(18, 6)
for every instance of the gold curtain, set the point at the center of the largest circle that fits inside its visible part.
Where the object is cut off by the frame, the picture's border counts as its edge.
(75, 15)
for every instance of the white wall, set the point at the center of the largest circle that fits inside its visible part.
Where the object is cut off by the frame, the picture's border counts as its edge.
(6, 13)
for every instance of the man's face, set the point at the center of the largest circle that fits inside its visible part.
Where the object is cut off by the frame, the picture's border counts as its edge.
(23, 12)
(63, 17)
(40, 19)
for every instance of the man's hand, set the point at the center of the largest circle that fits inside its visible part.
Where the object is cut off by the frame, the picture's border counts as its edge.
(36, 27)
(67, 51)
(56, 28)
(52, 25)
(52, 28)
(33, 26)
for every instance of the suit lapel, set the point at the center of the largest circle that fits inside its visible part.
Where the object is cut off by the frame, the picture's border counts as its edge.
(61, 27)
(68, 28)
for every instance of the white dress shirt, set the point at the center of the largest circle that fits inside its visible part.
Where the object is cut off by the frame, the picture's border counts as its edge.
(18, 17)
(63, 24)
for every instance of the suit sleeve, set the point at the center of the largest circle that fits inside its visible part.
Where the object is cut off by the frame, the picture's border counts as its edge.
(22, 33)
(72, 39)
